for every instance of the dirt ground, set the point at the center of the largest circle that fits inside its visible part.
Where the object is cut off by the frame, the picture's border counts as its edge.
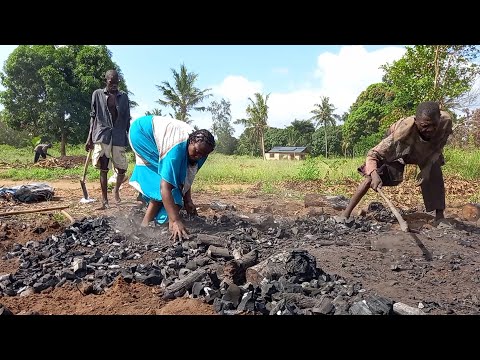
(387, 265)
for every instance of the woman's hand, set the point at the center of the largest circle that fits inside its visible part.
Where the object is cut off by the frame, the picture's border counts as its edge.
(190, 207)
(178, 229)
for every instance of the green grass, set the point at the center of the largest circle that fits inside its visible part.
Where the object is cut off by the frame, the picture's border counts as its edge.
(22, 161)
(59, 217)
(222, 169)
(54, 174)
(13, 155)
(463, 163)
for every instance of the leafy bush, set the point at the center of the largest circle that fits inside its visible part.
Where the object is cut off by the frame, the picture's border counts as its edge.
(18, 139)
(309, 169)
(365, 144)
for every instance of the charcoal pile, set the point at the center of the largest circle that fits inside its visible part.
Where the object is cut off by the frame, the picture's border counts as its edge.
(230, 261)
(89, 250)
(290, 283)
(376, 210)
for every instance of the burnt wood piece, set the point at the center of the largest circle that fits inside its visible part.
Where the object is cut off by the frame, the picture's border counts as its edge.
(210, 240)
(179, 288)
(216, 251)
(274, 266)
(234, 270)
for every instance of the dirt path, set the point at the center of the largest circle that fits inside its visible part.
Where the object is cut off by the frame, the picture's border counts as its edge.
(68, 193)
(389, 264)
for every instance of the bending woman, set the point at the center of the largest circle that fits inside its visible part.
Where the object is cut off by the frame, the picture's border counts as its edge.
(168, 154)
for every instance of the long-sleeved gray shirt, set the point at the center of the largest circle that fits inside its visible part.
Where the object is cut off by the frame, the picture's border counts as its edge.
(104, 130)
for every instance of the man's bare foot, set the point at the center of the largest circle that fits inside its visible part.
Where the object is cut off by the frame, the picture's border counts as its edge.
(104, 206)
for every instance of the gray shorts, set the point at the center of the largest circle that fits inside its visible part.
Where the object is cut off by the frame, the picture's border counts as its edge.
(116, 154)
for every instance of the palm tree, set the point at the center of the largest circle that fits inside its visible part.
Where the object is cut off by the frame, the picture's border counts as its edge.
(154, 112)
(256, 121)
(293, 137)
(183, 96)
(323, 115)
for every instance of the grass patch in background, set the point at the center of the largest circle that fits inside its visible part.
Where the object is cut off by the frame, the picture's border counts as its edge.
(43, 174)
(223, 169)
(23, 158)
(13, 155)
(329, 169)
(463, 163)
(40, 174)
(269, 188)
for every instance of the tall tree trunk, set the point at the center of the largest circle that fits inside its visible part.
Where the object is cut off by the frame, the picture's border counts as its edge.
(183, 113)
(263, 146)
(437, 68)
(63, 144)
(326, 146)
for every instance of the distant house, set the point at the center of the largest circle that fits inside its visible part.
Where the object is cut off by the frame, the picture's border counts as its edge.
(286, 153)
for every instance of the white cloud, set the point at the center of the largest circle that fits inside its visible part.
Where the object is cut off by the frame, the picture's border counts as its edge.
(5, 51)
(345, 75)
(285, 108)
(237, 90)
(341, 77)
(475, 103)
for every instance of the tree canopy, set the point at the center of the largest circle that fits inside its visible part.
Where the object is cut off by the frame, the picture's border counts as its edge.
(442, 73)
(48, 89)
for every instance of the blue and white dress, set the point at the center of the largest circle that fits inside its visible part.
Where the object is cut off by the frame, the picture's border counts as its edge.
(160, 146)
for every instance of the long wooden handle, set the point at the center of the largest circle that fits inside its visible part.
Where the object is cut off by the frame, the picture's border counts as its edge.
(89, 156)
(401, 221)
(68, 216)
(32, 211)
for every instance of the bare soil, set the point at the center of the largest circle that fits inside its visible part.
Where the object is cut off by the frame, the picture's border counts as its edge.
(391, 264)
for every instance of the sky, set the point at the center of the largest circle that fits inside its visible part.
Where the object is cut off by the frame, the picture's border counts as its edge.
(295, 76)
